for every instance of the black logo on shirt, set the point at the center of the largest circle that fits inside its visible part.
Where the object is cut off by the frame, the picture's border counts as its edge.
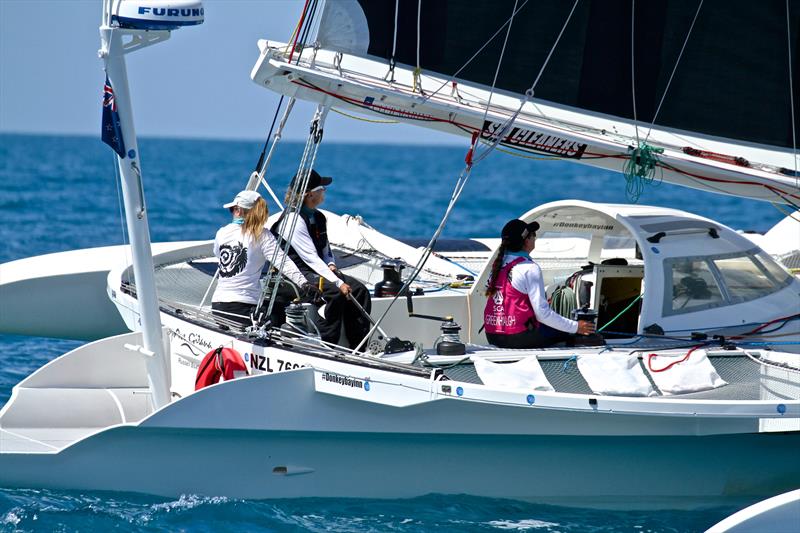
(232, 259)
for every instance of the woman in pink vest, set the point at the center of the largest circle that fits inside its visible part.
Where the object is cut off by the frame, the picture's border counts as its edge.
(517, 314)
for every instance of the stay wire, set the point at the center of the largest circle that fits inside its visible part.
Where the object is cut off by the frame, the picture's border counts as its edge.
(466, 64)
(269, 135)
(306, 28)
(499, 63)
(633, 70)
(464, 178)
(674, 69)
(791, 92)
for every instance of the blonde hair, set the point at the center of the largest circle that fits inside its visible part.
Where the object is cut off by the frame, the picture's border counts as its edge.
(255, 218)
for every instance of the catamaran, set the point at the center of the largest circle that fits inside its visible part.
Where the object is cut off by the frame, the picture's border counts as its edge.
(692, 311)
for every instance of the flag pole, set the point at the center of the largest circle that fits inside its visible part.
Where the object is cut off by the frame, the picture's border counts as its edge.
(119, 132)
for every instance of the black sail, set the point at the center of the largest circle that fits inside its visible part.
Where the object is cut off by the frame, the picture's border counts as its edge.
(732, 81)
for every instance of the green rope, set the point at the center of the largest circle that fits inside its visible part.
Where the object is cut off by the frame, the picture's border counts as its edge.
(563, 301)
(620, 313)
(640, 169)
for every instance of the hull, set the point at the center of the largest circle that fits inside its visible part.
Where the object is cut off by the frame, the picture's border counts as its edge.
(332, 428)
(622, 472)
(249, 438)
(61, 280)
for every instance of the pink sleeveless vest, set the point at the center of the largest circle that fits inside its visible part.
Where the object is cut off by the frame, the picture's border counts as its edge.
(508, 311)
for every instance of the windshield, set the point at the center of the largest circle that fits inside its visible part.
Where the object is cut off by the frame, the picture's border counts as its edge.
(695, 283)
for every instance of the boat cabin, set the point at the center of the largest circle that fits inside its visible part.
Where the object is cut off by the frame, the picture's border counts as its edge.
(655, 270)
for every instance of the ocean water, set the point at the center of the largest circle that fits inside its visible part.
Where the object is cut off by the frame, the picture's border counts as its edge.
(59, 193)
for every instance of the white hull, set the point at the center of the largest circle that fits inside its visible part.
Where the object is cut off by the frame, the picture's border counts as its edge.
(40, 294)
(297, 433)
(780, 514)
(622, 472)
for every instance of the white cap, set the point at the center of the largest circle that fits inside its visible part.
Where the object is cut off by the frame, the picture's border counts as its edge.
(245, 200)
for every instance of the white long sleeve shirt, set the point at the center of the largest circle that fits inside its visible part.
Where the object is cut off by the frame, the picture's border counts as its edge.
(304, 246)
(526, 277)
(241, 259)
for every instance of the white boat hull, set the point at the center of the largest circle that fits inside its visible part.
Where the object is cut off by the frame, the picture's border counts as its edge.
(63, 295)
(298, 433)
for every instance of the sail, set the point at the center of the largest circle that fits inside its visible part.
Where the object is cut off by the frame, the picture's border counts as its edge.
(703, 94)
(732, 80)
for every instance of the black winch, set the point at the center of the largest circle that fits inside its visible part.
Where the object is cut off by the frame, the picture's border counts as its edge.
(391, 284)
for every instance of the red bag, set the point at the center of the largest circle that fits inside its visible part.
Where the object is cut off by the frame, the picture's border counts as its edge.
(220, 362)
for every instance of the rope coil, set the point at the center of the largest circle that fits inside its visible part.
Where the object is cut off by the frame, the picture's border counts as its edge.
(640, 169)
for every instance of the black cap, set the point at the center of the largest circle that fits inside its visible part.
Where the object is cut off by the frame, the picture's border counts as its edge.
(515, 232)
(314, 181)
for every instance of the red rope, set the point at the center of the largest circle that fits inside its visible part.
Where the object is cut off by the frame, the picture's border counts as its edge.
(685, 357)
(764, 325)
(468, 158)
(596, 155)
(299, 29)
(722, 158)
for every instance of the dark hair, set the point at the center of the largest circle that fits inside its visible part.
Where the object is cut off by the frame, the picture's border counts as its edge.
(496, 266)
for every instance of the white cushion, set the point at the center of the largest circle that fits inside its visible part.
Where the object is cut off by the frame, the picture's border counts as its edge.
(525, 374)
(615, 374)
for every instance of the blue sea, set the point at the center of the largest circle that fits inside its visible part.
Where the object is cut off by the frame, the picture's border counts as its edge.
(60, 193)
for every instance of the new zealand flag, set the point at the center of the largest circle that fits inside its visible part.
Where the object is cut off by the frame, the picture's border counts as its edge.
(112, 132)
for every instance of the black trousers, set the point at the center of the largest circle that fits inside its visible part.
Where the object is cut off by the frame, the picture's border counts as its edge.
(540, 337)
(233, 311)
(339, 309)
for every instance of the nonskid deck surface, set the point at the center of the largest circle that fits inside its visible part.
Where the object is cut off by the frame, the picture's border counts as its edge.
(189, 280)
(744, 378)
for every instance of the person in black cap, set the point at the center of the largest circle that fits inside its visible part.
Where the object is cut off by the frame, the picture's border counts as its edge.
(517, 314)
(311, 252)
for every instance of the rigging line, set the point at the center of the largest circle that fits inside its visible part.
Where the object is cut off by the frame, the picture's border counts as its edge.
(501, 132)
(297, 30)
(633, 71)
(465, 174)
(309, 23)
(784, 212)
(292, 203)
(499, 63)
(278, 136)
(553, 49)
(465, 65)
(394, 38)
(791, 91)
(674, 69)
(123, 229)
(266, 141)
(419, 21)
(459, 187)
(312, 148)
(363, 119)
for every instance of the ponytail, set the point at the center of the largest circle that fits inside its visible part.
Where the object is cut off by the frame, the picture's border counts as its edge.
(255, 218)
(496, 266)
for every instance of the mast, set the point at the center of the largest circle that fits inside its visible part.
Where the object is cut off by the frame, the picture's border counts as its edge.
(124, 29)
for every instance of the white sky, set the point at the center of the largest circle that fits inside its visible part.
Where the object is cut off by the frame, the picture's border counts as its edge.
(196, 84)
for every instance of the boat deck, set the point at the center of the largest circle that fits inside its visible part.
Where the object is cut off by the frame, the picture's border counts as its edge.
(746, 380)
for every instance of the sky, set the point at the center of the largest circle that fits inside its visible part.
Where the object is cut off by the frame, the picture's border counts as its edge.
(195, 85)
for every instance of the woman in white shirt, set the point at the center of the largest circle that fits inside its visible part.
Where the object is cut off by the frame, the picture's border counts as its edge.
(242, 249)
(517, 314)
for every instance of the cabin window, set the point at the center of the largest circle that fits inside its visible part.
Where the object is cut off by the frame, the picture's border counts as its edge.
(703, 282)
(693, 286)
(779, 274)
(744, 278)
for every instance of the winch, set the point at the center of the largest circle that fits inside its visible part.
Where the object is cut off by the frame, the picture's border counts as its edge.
(391, 284)
(299, 317)
(449, 342)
